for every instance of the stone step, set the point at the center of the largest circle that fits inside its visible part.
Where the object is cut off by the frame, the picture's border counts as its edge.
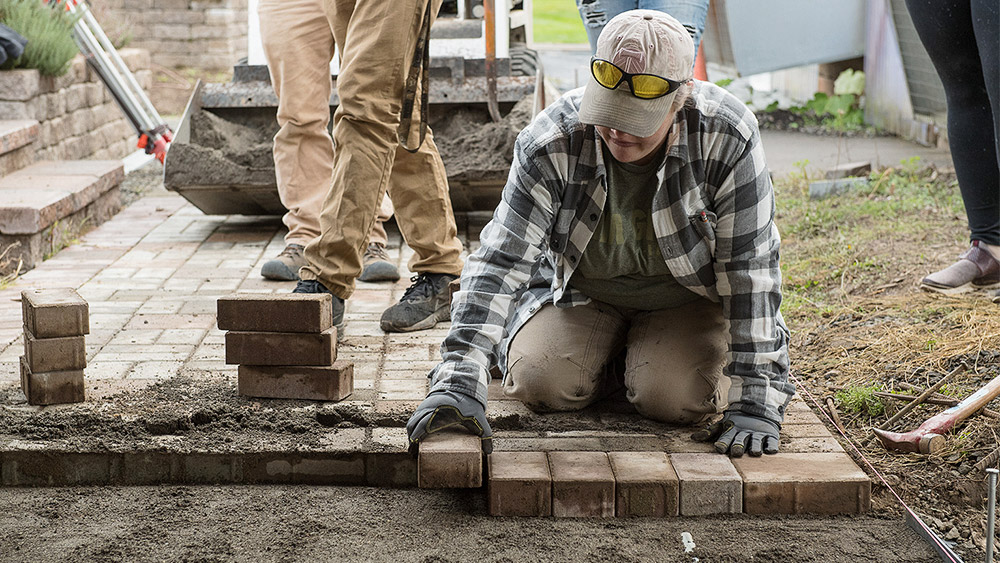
(17, 139)
(76, 195)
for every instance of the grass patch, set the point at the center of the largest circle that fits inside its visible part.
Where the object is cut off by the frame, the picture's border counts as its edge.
(10, 265)
(849, 243)
(557, 21)
(860, 400)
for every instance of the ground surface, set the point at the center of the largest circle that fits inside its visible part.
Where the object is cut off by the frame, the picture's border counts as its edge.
(861, 325)
(851, 265)
(362, 524)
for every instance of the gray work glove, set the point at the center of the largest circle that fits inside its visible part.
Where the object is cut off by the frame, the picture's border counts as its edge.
(737, 433)
(448, 409)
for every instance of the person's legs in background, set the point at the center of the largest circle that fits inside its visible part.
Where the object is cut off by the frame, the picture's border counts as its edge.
(596, 13)
(378, 40)
(963, 40)
(299, 45)
(376, 263)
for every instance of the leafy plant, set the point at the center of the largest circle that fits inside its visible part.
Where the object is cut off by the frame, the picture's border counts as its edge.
(49, 31)
(860, 399)
(841, 111)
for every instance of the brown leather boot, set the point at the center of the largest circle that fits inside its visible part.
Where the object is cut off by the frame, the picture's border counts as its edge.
(976, 269)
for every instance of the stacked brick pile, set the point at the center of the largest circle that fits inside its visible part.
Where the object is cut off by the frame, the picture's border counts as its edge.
(285, 346)
(55, 322)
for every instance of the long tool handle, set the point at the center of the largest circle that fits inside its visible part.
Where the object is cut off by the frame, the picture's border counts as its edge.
(921, 398)
(490, 21)
(975, 401)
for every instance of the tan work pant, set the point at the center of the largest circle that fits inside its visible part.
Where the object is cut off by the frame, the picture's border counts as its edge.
(298, 45)
(377, 40)
(673, 367)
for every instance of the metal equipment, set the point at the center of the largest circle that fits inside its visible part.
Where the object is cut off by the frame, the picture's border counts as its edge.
(468, 74)
(154, 134)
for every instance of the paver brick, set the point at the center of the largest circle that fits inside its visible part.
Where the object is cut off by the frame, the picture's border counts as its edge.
(51, 313)
(276, 312)
(645, 484)
(332, 383)
(795, 483)
(282, 348)
(388, 462)
(55, 354)
(450, 460)
(520, 484)
(709, 484)
(583, 484)
(51, 387)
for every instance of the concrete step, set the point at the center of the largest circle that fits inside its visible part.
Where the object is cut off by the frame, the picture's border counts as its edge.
(17, 138)
(47, 204)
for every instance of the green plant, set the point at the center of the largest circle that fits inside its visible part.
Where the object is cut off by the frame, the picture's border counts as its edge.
(723, 82)
(860, 399)
(49, 31)
(841, 111)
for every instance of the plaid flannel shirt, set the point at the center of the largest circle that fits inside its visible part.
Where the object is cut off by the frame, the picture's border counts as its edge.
(713, 218)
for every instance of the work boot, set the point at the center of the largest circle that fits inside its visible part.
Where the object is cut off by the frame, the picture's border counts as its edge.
(313, 286)
(285, 267)
(377, 266)
(423, 305)
(976, 269)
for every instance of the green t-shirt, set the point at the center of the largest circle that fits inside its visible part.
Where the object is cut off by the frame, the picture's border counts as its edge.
(622, 264)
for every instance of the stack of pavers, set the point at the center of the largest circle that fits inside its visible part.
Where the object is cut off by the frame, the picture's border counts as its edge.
(285, 345)
(55, 354)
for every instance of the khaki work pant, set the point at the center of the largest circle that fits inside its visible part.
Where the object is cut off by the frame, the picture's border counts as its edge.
(377, 41)
(673, 366)
(298, 45)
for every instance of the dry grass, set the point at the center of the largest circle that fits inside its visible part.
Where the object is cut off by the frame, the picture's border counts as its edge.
(10, 266)
(860, 324)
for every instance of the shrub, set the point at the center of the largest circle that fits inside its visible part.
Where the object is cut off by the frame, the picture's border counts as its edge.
(49, 31)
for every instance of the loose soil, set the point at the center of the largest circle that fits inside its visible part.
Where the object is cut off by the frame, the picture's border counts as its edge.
(284, 523)
(870, 325)
(865, 323)
(223, 152)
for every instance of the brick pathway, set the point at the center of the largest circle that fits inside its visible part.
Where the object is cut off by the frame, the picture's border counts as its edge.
(152, 276)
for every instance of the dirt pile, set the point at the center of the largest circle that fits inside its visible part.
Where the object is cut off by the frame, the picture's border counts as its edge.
(227, 153)
(220, 153)
(474, 148)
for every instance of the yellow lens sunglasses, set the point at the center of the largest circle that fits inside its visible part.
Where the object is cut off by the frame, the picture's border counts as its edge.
(644, 86)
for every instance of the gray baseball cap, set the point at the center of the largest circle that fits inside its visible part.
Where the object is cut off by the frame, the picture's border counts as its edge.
(638, 42)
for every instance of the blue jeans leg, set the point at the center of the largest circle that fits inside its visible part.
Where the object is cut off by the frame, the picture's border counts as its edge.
(596, 13)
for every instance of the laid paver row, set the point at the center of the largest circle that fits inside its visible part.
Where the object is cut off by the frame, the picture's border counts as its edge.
(645, 483)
